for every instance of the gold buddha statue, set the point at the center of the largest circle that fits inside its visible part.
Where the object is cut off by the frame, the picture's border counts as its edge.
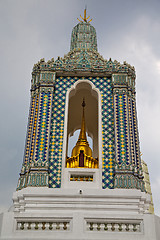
(82, 154)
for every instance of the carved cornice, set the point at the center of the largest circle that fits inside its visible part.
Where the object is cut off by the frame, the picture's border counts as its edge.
(82, 60)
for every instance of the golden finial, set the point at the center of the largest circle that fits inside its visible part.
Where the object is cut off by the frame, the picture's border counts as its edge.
(85, 18)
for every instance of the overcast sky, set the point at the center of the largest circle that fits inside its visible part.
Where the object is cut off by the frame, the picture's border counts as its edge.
(34, 29)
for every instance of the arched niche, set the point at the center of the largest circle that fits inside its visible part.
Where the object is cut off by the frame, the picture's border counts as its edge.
(73, 115)
(76, 95)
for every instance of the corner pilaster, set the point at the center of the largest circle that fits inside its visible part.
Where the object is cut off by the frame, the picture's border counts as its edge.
(34, 170)
(128, 169)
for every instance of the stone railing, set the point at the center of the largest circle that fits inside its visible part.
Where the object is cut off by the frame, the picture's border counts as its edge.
(49, 226)
(114, 226)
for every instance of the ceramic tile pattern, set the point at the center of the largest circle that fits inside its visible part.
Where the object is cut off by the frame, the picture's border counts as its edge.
(57, 129)
(29, 129)
(43, 150)
(42, 135)
(34, 128)
(121, 128)
(135, 132)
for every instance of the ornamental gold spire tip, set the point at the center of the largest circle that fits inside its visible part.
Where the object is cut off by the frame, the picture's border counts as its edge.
(85, 18)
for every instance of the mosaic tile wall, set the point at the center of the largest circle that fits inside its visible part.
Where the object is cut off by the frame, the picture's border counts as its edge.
(121, 129)
(34, 128)
(128, 170)
(30, 141)
(127, 138)
(42, 134)
(131, 128)
(43, 150)
(132, 103)
(57, 128)
(31, 130)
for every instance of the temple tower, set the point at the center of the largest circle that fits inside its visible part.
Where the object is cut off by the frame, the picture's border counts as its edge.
(98, 192)
(57, 90)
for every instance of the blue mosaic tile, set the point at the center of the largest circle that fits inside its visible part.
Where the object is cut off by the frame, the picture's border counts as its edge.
(57, 125)
(42, 136)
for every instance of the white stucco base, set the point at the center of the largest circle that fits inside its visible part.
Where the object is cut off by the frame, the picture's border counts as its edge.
(79, 214)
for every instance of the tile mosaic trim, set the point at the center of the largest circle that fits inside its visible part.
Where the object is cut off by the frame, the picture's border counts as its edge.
(56, 131)
(37, 179)
(34, 130)
(42, 135)
(86, 60)
(128, 181)
(128, 174)
(108, 153)
(121, 129)
(35, 171)
(29, 129)
(131, 128)
(30, 141)
(136, 135)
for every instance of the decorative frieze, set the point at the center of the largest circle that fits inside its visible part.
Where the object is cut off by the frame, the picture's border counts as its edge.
(42, 79)
(86, 60)
(38, 178)
(128, 181)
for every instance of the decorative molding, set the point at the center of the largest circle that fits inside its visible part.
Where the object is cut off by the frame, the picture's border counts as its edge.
(84, 60)
(128, 181)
